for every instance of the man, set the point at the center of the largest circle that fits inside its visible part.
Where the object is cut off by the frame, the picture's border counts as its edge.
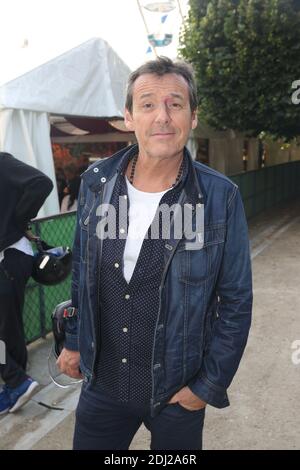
(23, 190)
(163, 321)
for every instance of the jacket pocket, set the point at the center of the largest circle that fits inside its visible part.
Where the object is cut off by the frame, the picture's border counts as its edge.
(86, 211)
(84, 222)
(195, 266)
(84, 219)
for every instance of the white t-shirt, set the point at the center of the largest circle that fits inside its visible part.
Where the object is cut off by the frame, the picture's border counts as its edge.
(142, 210)
(23, 245)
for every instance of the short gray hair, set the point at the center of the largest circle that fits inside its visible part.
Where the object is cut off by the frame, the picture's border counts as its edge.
(162, 66)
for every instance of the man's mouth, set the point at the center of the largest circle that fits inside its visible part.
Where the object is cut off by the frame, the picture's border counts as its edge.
(162, 134)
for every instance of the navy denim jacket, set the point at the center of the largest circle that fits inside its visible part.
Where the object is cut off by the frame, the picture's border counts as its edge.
(205, 294)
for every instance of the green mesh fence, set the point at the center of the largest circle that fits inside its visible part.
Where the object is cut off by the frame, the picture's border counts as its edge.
(264, 188)
(41, 300)
(260, 190)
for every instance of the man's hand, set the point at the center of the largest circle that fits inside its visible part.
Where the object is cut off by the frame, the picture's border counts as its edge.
(68, 363)
(187, 399)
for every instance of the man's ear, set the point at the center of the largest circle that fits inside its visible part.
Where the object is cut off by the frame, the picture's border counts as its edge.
(194, 119)
(128, 120)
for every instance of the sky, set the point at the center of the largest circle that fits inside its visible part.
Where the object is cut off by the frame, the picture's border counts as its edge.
(51, 27)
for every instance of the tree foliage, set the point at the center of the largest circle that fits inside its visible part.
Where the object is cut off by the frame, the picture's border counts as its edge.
(246, 54)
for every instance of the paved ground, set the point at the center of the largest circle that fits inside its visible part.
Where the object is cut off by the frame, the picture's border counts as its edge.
(264, 411)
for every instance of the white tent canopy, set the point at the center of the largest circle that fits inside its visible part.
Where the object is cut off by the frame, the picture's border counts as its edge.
(89, 80)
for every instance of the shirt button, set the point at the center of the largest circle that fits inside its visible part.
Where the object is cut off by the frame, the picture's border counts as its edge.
(125, 196)
(96, 170)
(117, 265)
(125, 329)
(122, 230)
(103, 179)
(127, 296)
(124, 360)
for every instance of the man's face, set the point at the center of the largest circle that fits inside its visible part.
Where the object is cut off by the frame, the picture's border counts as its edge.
(161, 115)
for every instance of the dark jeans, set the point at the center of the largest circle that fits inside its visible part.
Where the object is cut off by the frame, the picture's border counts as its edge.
(15, 271)
(102, 423)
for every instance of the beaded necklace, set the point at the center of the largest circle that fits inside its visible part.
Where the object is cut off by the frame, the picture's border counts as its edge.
(134, 161)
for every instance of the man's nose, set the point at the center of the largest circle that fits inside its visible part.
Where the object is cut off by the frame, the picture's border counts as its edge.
(163, 114)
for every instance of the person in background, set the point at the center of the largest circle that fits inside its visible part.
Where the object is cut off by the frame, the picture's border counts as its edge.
(61, 183)
(82, 162)
(23, 190)
(69, 201)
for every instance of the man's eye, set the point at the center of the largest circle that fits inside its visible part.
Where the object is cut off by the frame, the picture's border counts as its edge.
(175, 105)
(147, 105)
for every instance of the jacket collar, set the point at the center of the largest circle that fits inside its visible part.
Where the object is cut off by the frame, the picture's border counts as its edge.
(102, 171)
